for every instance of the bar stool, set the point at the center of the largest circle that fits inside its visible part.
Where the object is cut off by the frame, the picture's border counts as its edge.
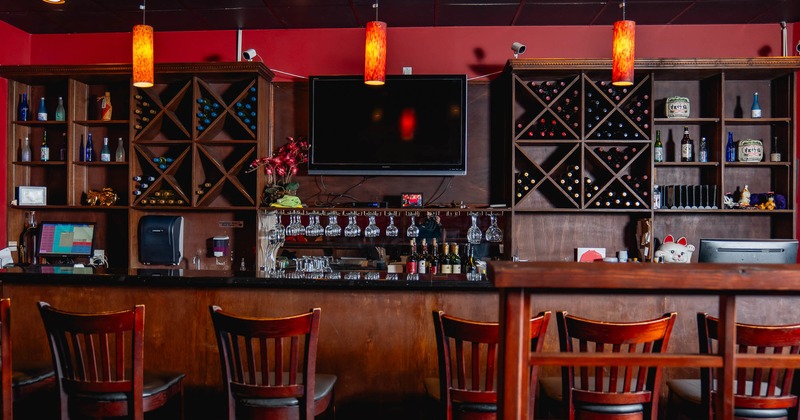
(269, 366)
(760, 393)
(470, 393)
(98, 358)
(608, 392)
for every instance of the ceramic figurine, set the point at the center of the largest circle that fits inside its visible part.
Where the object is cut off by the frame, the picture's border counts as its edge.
(675, 251)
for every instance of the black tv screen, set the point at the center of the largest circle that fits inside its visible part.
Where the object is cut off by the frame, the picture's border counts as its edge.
(411, 125)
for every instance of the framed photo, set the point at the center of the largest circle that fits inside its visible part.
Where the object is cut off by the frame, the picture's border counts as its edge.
(31, 196)
(411, 199)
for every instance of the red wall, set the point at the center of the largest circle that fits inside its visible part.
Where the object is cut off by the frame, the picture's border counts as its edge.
(475, 51)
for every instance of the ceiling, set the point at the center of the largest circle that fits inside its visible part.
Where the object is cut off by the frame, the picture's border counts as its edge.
(82, 16)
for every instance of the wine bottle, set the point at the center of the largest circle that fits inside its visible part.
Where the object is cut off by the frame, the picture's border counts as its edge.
(730, 149)
(60, 111)
(755, 109)
(737, 110)
(455, 259)
(775, 154)
(44, 151)
(433, 259)
(105, 151)
(658, 149)
(687, 147)
(89, 149)
(25, 152)
(411, 260)
(41, 113)
(703, 155)
(23, 110)
(119, 155)
(445, 265)
(28, 251)
(422, 258)
(62, 151)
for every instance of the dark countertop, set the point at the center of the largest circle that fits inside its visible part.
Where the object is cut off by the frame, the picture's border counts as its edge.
(216, 278)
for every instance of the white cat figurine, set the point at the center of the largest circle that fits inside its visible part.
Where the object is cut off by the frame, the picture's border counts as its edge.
(675, 251)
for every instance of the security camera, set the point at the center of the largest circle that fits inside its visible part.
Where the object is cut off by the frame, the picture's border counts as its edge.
(518, 49)
(250, 54)
(797, 47)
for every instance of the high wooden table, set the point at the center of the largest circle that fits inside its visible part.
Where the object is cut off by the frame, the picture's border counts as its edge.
(519, 281)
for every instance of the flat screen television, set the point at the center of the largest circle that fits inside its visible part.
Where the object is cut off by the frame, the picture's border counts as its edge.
(748, 251)
(411, 125)
(64, 241)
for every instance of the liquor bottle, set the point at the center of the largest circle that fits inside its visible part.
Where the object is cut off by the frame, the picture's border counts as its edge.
(737, 111)
(61, 114)
(775, 154)
(62, 151)
(105, 152)
(27, 240)
(730, 149)
(455, 259)
(445, 265)
(23, 110)
(105, 106)
(703, 154)
(422, 258)
(411, 260)
(25, 152)
(433, 259)
(658, 149)
(755, 109)
(470, 265)
(41, 113)
(89, 148)
(81, 152)
(687, 147)
(119, 155)
(44, 151)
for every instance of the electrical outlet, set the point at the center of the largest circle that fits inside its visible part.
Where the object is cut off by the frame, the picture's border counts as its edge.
(99, 253)
(406, 70)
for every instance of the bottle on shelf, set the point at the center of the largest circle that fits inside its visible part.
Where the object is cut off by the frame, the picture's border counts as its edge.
(774, 155)
(41, 113)
(411, 260)
(44, 151)
(433, 259)
(658, 149)
(62, 151)
(82, 152)
(669, 151)
(738, 112)
(445, 265)
(105, 151)
(422, 258)
(27, 247)
(61, 113)
(23, 110)
(104, 105)
(702, 155)
(25, 151)
(687, 147)
(730, 149)
(755, 109)
(89, 149)
(455, 259)
(119, 154)
(470, 265)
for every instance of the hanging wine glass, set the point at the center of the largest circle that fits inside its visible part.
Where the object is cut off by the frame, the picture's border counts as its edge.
(392, 230)
(474, 234)
(333, 228)
(372, 230)
(314, 228)
(493, 233)
(295, 227)
(352, 229)
(413, 229)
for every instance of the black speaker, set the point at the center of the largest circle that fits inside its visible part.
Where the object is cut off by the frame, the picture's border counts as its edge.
(161, 240)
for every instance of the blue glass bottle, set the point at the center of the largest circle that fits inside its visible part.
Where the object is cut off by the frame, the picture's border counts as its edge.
(89, 148)
(23, 111)
(755, 109)
(730, 149)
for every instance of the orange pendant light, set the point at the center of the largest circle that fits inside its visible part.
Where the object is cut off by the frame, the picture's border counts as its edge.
(623, 51)
(375, 52)
(143, 73)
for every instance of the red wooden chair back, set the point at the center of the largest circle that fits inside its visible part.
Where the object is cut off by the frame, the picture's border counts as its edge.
(755, 388)
(265, 358)
(612, 390)
(468, 352)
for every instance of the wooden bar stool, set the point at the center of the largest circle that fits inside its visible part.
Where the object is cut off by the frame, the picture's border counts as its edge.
(467, 350)
(269, 366)
(98, 358)
(761, 393)
(608, 392)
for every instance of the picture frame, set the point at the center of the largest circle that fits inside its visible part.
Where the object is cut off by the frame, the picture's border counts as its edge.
(31, 196)
(411, 199)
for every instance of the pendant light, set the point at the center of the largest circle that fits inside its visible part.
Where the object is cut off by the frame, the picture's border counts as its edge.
(375, 51)
(623, 51)
(143, 52)
(54, 1)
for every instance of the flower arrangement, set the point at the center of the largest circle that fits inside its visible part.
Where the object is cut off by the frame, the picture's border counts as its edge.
(280, 168)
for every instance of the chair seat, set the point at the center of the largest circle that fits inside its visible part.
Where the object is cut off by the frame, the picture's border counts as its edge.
(29, 376)
(432, 389)
(323, 387)
(153, 383)
(551, 388)
(689, 391)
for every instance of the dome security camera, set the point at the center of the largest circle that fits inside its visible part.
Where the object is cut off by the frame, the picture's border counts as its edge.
(797, 47)
(518, 49)
(249, 54)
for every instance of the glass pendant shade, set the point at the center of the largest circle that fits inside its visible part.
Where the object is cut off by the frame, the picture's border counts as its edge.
(375, 54)
(623, 52)
(143, 56)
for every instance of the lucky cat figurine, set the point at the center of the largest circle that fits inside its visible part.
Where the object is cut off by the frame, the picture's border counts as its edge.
(675, 251)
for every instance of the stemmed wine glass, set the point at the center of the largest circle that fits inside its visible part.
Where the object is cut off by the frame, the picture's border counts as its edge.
(392, 230)
(333, 228)
(493, 233)
(314, 228)
(295, 227)
(372, 230)
(352, 229)
(474, 234)
(413, 229)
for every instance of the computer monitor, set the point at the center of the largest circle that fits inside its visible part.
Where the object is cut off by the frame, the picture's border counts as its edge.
(748, 251)
(65, 241)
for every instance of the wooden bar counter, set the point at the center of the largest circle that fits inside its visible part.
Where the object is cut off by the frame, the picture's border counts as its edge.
(521, 282)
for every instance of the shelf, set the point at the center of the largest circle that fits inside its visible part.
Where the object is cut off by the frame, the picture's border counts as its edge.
(43, 164)
(683, 121)
(101, 122)
(757, 164)
(687, 164)
(756, 121)
(94, 163)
